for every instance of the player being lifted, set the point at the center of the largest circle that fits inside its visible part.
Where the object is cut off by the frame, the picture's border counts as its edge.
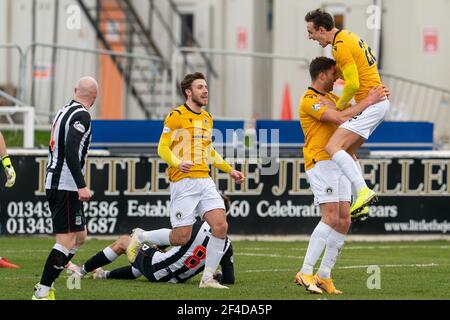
(331, 189)
(357, 66)
(186, 145)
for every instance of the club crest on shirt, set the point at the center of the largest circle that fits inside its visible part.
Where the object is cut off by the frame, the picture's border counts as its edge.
(179, 215)
(79, 127)
(316, 107)
(166, 130)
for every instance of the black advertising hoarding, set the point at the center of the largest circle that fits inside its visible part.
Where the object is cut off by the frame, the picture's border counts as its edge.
(414, 197)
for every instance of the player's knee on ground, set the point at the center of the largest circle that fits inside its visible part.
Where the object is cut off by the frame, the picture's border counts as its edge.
(120, 246)
(180, 236)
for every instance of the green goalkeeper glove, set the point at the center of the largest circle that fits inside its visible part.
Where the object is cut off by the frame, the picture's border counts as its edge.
(9, 171)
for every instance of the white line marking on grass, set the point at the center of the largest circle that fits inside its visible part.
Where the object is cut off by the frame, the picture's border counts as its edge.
(358, 248)
(266, 255)
(396, 247)
(270, 270)
(25, 251)
(428, 265)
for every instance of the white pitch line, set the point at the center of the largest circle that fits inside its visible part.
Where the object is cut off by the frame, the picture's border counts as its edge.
(279, 248)
(357, 248)
(266, 255)
(428, 265)
(29, 277)
(27, 251)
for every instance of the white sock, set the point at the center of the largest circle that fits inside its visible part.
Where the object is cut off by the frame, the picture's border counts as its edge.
(159, 237)
(316, 245)
(214, 253)
(42, 291)
(74, 250)
(61, 248)
(335, 242)
(350, 169)
(110, 254)
(354, 191)
(136, 272)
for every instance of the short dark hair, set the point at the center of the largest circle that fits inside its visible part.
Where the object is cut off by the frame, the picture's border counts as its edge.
(188, 80)
(320, 18)
(320, 64)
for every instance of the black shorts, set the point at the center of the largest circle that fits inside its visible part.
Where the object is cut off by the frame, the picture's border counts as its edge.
(67, 211)
(143, 262)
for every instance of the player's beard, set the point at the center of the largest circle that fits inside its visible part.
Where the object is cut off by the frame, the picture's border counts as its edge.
(329, 86)
(199, 102)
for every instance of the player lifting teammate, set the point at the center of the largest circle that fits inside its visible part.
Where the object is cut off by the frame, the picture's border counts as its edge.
(357, 65)
(331, 189)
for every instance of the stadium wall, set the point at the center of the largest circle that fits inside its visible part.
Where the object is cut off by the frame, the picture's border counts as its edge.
(219, 24)
(404, 23)
(3, 35)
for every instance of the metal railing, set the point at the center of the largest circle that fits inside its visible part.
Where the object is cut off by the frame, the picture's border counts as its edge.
(14, 59)
(28, 122)
(258, 82)
(410, 100)
(416, 101)
(49, 86)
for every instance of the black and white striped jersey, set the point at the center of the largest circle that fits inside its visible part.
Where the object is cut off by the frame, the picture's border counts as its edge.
(69, 144)
(183, 262)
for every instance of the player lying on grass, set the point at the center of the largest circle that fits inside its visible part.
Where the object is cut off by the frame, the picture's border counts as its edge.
(177, 265)
(319, 119)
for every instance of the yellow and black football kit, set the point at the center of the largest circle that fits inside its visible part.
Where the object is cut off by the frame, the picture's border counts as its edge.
(357, 63)
(187, 136)
(317, 133)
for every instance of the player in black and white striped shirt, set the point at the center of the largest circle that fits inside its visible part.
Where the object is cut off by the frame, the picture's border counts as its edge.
(176, 265)
(65, 185)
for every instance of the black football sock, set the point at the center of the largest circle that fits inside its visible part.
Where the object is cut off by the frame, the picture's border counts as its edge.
(56, 261)
(72, 253)
(70, 256)
(101, 259)
(124, 273)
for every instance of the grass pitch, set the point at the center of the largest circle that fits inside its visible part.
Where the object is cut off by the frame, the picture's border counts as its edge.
(264, 271)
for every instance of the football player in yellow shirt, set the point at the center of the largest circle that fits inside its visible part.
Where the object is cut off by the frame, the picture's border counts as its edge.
(331, 189)
(186, 145)
(357, 65)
